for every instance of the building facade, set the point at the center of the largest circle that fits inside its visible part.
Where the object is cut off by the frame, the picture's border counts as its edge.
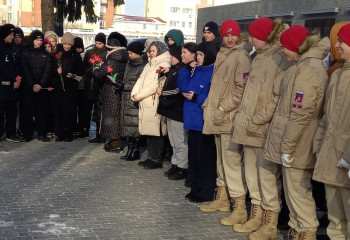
(311, 14)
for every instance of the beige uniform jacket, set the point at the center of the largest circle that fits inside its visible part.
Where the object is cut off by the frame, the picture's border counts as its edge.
(231, 71)
(332, 139)
(267, 68)
(150, 123)
(299, 109)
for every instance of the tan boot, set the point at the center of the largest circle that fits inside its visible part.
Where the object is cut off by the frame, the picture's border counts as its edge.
(307, 235)
(239, 213)
(221, 201)
(268, 230)
(292, 234)
(254, 222)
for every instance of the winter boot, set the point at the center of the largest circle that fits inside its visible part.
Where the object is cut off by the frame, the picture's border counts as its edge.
(128, 152)
(268, 230)
(292, 234)
(134, 152)
(171, 170)
(239, 213)
(220, 203)
(307, 235)
(254, 222)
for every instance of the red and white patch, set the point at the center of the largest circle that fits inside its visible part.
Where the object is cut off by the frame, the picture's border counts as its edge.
(245, 78)
(298, 100)
(206, 28)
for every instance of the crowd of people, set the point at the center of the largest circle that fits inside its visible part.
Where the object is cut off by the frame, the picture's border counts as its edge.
(259, 115)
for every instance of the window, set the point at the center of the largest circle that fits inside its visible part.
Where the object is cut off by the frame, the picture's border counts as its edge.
(103, 9)
(190, 24)
(183, 24)
(156, 27)
(172, 23)
(174, 9)
(102, 23)
(186, 10)
(324, 24)
(144, 26)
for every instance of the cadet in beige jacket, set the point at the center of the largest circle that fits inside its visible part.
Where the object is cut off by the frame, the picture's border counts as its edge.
(290, 135)
(332, 143)
(267, 67)
(231, 72)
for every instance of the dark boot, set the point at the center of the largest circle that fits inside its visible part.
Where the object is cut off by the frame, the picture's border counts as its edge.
(181, 173)
(126, 156)
(113, 146)
(135, 152)
(171, 171)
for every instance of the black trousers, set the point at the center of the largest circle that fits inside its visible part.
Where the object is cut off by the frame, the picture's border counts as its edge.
(155, 147)
(34, 105)
(64, 125)
(202, 164)
(8, 111)
(85, 115)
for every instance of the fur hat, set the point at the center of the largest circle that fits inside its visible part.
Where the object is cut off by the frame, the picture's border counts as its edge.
(136, 47)
(36, 34)
(116, 39)
(67, 38)
(230, 26)
(344, 34)
(100, 37)
(6, 30)
(211, 27)
(261, 28)
(18, 32)
(78, 42)
(294, 37)
(210, 51)
(51, 34)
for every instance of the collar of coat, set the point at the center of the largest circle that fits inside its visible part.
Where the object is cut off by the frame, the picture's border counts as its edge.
(114, 50)
(274, 47)
(319, 50)
(163, 57)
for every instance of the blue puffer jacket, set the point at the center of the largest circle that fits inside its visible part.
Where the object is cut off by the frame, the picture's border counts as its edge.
(199, 83)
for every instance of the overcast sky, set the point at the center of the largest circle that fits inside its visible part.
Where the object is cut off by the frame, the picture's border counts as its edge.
(134, 7)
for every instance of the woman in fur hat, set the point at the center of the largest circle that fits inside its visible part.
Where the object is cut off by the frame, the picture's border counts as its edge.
(151, 124)
(111, 74)
(67, 72)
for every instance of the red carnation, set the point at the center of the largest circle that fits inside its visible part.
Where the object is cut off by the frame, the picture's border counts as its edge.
(109, 69)
(50, 89)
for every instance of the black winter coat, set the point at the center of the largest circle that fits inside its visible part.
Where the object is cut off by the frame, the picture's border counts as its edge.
(8, 70)
(65, 93)
(111, 97)
(171, 101)
(36, 68)
(130, 109)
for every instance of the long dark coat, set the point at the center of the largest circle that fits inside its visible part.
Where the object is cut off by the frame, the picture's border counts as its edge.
(130, 109)
(65, 94)
(116, 60)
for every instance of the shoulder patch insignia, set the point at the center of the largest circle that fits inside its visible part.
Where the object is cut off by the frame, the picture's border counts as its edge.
(245, 78)
(298, 100)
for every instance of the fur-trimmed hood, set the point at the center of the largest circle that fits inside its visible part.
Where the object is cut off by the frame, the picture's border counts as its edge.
(279, 27)
(318, 49)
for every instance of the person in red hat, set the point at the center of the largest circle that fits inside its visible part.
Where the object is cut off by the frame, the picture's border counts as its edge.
(250, 125)
(332, 144)
(232, 69)
(290, 137)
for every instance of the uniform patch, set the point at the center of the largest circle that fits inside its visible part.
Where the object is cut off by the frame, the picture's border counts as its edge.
(245, 78)
(298, 100)
(6, 83)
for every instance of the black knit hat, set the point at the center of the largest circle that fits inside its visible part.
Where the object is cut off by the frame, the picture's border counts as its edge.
(211, 27)
(18, 32)
(78, 42)
(210, 51)
(116, 39)
(176, 52)
(100, 37)
(136, 47)
(6, 30)
(36, 34)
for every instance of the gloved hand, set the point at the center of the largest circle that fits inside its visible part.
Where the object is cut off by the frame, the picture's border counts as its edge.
(286, 160)
(71, 75)
(78, 78)
(344, 164)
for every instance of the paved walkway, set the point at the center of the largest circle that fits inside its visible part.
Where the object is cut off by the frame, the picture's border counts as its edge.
(78, 191)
